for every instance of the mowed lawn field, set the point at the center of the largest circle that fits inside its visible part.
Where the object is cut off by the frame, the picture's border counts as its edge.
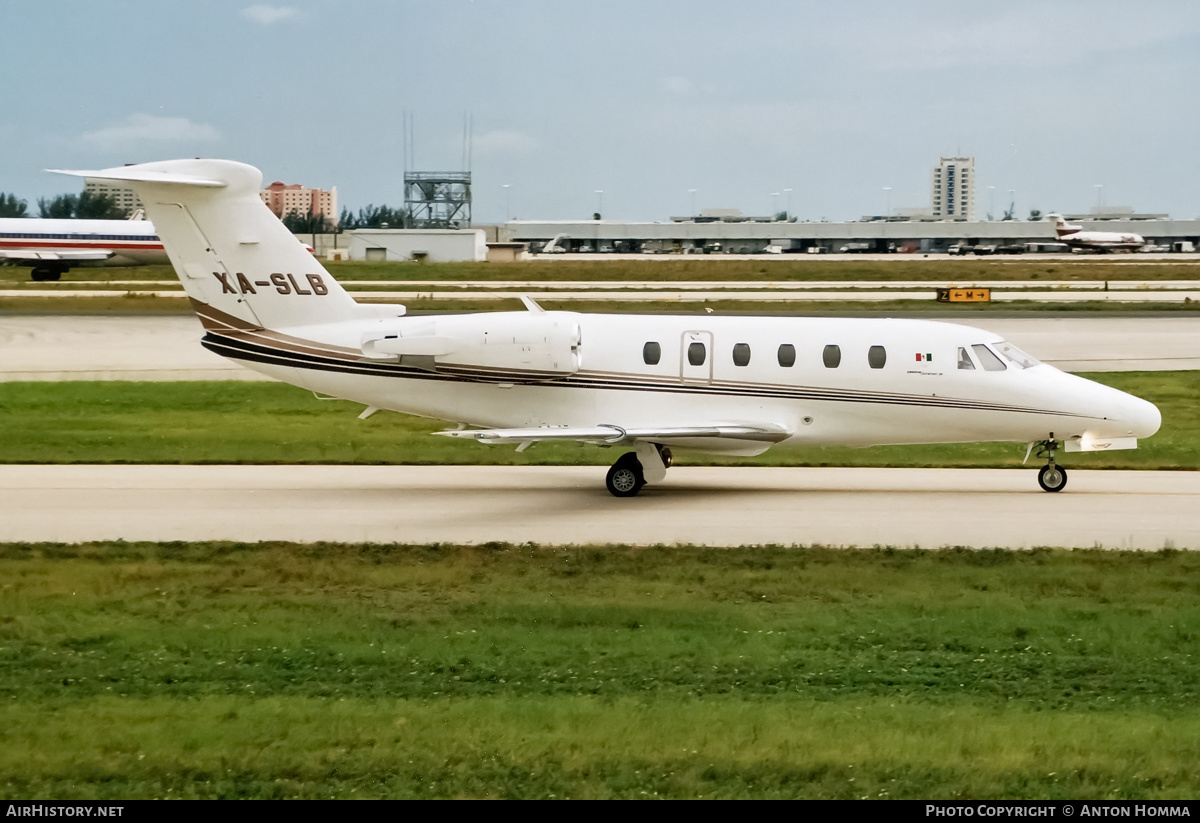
(668, 268)
(281, 670)
(251, 422)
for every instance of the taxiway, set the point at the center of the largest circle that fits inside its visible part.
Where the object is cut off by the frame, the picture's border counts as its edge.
(928, 508)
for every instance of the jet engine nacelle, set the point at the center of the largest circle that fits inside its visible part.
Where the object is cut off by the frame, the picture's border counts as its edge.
(533, 345)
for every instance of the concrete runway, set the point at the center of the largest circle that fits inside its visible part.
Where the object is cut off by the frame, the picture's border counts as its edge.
(929, 508)
(158, 347)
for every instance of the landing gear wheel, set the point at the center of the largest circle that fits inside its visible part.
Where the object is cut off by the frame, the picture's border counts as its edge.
(42, 274)
(625, 477)
(1052, 478)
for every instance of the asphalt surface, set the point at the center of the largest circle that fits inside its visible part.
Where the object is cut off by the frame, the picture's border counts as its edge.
(928, 508)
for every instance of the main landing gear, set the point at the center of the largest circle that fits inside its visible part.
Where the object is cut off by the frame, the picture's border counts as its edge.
(1051, 477)
(45, 273)
(634, 469)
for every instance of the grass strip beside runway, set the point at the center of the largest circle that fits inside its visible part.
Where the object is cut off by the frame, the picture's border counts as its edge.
(329, 670)
(270, 423)
(936, 268)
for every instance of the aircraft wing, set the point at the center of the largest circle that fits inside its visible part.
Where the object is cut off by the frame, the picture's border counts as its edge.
(55, 254)
(609, 434)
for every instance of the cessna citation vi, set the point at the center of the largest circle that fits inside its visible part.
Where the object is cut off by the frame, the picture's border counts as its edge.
(1077, 238)
(651, 384)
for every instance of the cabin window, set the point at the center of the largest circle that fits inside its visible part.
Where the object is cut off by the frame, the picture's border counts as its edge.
(832, 357)
(696, 354)
(876, 357)
(787, 355)
(651, 353)
(987, 358)
(964, 359)
(1015, 356)
(741, 354)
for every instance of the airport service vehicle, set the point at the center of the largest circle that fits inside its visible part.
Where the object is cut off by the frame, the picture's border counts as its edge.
(51, 247)
(647, 383)
(1076, 238)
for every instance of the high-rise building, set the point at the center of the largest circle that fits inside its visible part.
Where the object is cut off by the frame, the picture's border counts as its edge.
(284, 199)
(122, 197)
(954, 189)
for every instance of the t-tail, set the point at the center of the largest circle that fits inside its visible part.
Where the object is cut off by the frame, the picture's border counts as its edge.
(1061, 227)
(238, 263)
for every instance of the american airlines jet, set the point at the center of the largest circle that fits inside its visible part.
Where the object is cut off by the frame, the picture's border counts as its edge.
(51, 247)
(646, 384)
(1077, 238)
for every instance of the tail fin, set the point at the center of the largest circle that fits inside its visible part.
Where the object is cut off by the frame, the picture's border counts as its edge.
(1061, 227)
(238, 263)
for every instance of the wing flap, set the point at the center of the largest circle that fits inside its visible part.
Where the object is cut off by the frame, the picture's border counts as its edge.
(54, 254)
(606, 433)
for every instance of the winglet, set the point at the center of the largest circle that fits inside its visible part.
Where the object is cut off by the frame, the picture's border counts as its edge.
(530, 304)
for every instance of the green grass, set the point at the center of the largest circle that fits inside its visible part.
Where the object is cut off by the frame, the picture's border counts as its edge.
(284, 670)
(246, 422)
(935, 269)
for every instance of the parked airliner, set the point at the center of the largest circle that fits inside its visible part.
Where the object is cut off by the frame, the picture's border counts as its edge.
(648, 383)
(1076, 238)
(52, 246)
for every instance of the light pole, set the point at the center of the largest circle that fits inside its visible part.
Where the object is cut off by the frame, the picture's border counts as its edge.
(887, 194)
(788, 192)
(991, 202)
(600, 202)
(507, 201)
(1099, 187)
(774, 205)
(692, 192)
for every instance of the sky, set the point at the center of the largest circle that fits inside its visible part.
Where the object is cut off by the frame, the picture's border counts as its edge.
(849, 105)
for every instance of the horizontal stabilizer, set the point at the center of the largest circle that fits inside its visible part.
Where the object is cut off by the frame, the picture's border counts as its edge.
(137, 174)
(606, 433)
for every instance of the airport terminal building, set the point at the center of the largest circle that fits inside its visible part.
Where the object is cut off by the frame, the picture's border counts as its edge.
(913, 234)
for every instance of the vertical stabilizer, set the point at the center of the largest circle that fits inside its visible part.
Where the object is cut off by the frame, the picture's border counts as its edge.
(232, 254)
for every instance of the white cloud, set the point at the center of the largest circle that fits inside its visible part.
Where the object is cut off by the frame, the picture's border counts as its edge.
(141, 129)
(504, 141)
(267, 15)
(676, 85)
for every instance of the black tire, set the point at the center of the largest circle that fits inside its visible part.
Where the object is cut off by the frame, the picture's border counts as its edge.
(625, 479)
(1052, 478)
(42, 274)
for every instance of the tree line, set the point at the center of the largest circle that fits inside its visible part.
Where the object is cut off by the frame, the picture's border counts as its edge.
(85, 206)
(89, 206)
(370, 217)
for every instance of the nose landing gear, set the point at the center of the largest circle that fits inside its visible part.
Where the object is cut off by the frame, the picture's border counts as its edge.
(1051, 477)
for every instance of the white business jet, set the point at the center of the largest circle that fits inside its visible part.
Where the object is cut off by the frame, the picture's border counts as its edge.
(648, 383)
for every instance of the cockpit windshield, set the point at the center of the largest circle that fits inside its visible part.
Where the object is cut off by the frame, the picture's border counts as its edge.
(1015, 355)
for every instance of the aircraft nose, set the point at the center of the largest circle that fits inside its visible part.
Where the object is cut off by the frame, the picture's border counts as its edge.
(1143, 416)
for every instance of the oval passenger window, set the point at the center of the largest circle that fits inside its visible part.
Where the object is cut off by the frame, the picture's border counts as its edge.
(741, 354)
(696, 354)
(651, 353)
(832, 357)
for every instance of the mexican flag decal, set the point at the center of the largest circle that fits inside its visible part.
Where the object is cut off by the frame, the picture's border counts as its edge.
(924, 358)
